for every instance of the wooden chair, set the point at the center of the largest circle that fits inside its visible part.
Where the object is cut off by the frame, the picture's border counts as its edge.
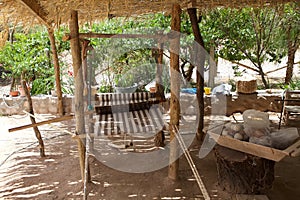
(290, 105)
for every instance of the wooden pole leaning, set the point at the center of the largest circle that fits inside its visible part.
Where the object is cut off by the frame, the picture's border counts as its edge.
(58, 119)
(32, 119)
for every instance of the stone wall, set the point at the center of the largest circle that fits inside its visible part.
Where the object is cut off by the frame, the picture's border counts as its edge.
(45, 104)
(234, 103)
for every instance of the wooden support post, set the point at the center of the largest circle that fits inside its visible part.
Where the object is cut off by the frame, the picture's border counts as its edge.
(160, 94)
(199, 51)
(36, 130)
(212, 67)
(60, 107)
(78, 77)
(175, 95)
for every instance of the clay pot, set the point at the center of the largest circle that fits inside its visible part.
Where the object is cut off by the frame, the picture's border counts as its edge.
(14, 93)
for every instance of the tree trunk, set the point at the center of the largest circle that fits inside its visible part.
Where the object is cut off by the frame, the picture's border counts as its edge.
(60, 107)
(199, 62)
(12, 84)
(241, 173)
(175, 89)
(78, 78)
(32, 119)
(292, 48)
(160, 93)
(263, 78)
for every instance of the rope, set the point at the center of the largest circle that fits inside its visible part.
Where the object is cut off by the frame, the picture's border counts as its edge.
(192, 164)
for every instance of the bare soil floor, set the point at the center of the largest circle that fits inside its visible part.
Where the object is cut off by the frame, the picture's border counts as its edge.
(24, 175)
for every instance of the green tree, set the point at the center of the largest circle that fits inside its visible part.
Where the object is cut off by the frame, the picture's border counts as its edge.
(290, 35)
(248, 33)
(27, 57)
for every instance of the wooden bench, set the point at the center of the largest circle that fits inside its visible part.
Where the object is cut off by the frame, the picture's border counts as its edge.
(290, 105)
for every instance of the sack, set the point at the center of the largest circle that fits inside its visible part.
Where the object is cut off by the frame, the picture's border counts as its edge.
(264, 140)
(283, 138)
(257, 127)
(256, 119)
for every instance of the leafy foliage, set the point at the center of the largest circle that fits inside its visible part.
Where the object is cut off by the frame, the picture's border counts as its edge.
(249, 33)
(29, 56)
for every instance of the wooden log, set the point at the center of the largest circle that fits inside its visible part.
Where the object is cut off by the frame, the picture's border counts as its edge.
(78, 79)
(160, 37)
(241, 173)
(32, 119)
(58, 119)
(175, 89)
(60, 107)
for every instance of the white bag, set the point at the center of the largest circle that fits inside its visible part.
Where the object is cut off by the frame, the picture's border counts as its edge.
(256, 119)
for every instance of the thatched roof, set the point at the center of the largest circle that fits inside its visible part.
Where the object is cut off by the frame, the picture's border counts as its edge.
(56, 12)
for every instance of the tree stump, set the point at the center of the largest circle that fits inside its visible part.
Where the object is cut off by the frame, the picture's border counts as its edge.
(242, 173)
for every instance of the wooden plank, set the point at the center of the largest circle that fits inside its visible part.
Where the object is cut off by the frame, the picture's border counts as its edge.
(250, 148)
(58, 119)
(251, 197)
(160, 37)
(294, 149)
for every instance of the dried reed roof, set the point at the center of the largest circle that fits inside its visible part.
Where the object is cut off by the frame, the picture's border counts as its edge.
(56, 12)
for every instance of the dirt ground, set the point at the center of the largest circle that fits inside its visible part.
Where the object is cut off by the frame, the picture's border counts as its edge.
(24, 175)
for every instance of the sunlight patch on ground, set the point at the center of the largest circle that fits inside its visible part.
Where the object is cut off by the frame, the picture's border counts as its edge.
(106, 184)
(33, 195)
(73, 183)
(132, 195)
(173, 198)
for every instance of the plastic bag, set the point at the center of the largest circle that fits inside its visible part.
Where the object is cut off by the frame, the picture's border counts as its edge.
(255, 132)
(283, 138)
(256, 119)
(223, 89)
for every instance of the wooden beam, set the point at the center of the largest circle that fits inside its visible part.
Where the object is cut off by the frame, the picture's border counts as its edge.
(175, 92)
(58, 119)
(159, 37)
(36, 10)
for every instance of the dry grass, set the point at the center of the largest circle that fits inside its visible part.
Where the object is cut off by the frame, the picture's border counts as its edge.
(57, 12)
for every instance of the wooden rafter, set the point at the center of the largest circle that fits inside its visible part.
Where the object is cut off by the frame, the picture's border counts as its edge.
(160, 37)
(36, 10)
